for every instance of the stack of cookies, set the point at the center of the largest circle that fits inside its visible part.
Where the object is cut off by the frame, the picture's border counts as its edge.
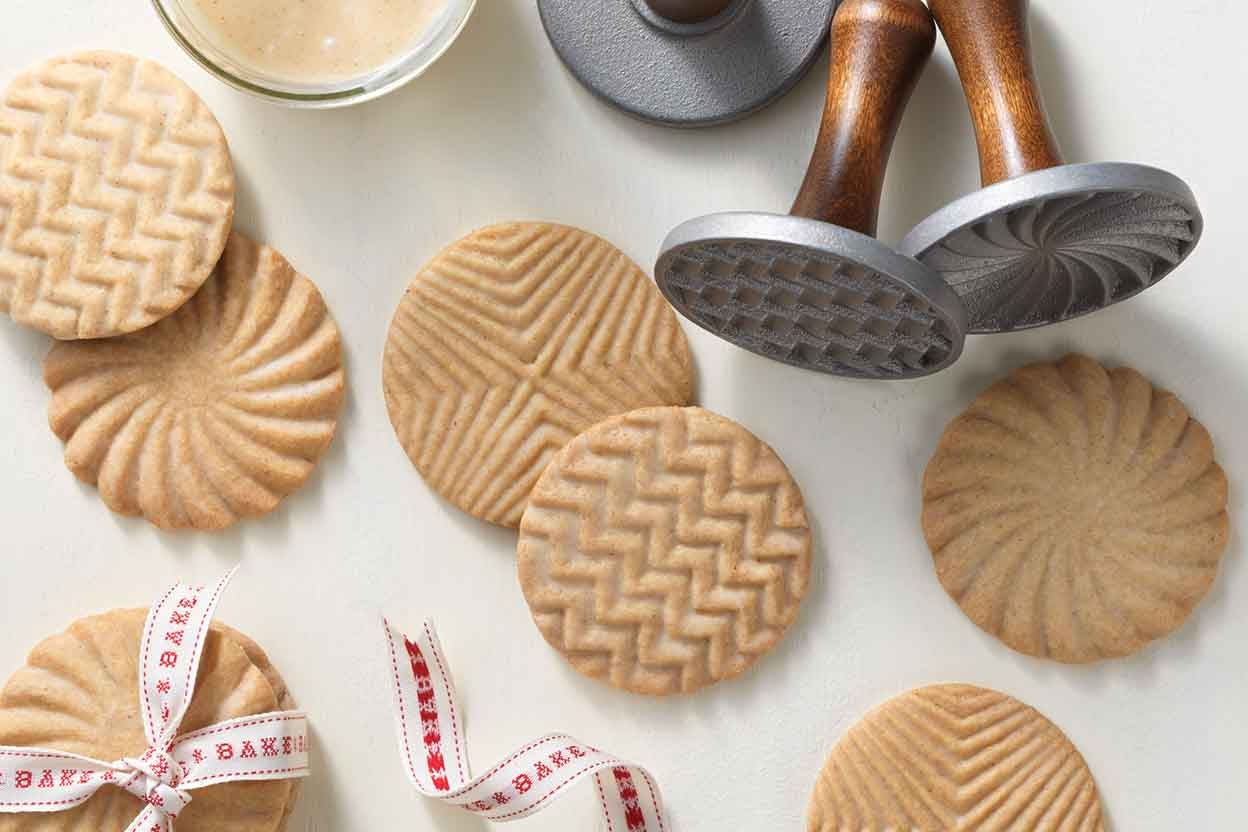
(199, 376)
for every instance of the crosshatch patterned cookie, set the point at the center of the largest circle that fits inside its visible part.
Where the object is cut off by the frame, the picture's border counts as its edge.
(1076, 513)
(116, 195)
(214, 414)
(665, 550)
(955, 757)
(79, 693)
(511, 342)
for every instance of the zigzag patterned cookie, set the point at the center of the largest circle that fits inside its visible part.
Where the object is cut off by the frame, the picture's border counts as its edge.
(217, 412)
(955, 758)
(511, 342)
(1076, 513)
(116, 195)
(665, 550)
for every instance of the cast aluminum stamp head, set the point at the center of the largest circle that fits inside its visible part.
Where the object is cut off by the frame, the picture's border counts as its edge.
(812, 294)
(688, 74)
(1058, 243)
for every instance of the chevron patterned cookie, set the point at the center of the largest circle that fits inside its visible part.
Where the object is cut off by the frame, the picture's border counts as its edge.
(665, 550)
(214, 414)
(1076, 513)
(511, 342)
(78, 692)
(955, 758)
(116, 195)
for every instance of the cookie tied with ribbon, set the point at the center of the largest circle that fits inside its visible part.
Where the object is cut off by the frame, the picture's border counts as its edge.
(219, 756)
(435, 754)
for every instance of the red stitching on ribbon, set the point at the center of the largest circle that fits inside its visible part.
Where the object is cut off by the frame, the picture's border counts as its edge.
(446, 685)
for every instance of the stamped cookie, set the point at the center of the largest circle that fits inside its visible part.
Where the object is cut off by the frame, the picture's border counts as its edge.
(79, 693)
(116, 195)
(213, 414)
(1074, 512)
(665, 550)
(955, 757)
(512, 341)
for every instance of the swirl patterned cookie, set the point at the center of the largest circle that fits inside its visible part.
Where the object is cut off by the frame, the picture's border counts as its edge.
(214, 414)
(1076, 513)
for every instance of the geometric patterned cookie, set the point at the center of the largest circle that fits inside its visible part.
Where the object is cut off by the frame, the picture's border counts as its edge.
(955, 757)
(116, 195)
(79, 693)
(665, 550)
(514, 340)
(1076, 513)
(213, 414)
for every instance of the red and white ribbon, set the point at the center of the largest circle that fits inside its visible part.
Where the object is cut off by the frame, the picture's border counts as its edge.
(271, 746)
(435, 756)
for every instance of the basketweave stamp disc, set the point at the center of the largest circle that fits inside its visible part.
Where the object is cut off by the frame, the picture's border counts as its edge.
(812, 295)
(955, 758)
(512, 341)
(214, 414)
(78, 692)
(665, 550)
(116, 195)
(1076, 513)
(1059, 243)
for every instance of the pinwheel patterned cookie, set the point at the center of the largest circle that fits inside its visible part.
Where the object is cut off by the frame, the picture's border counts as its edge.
(511, 342)
(78, 692)
(214, 414)
(116, 195)
(1076, 513)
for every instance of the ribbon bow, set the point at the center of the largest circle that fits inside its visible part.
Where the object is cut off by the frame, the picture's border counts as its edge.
(435, 755)
(271, 746)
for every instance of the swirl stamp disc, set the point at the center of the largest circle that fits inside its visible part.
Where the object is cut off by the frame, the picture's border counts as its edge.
(511, 342)
(1076, 513)
(958, 758)
(116, 195)
(665, 550)
(214, 414)
(78, 692)
(1059, 243)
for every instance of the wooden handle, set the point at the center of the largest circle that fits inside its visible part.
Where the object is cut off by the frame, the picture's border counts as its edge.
(992, 48)
(879, 49)
(688, 11)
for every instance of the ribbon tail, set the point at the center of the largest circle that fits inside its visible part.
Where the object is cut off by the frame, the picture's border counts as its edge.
(434, 753)
(43, 780)
(173, 643)
(431, 739)
(149, 820)
(630, 799)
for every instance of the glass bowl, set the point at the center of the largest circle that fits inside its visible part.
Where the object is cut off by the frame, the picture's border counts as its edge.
(418, 57)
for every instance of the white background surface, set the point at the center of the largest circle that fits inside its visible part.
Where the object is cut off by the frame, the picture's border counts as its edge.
(358, 199)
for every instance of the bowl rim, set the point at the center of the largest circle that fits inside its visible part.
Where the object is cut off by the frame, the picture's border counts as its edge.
(340, 94)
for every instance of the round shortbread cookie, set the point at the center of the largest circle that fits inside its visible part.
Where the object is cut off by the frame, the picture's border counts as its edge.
(79, 693)
(116, 195)
(512, 341)
(1076, 513)
(955, 757)
(213, 414)
(665, 550)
